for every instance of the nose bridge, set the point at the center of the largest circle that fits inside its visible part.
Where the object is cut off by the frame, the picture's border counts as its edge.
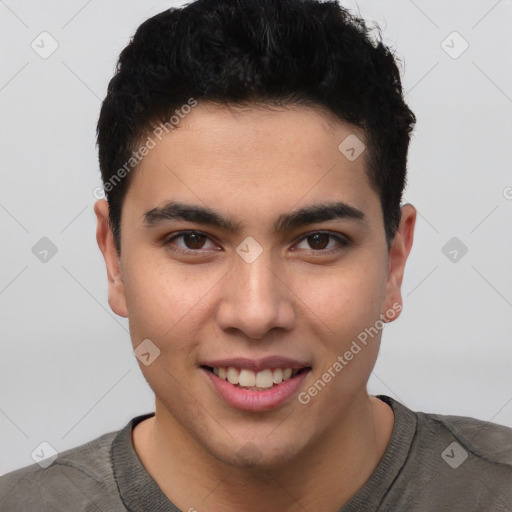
(258, 279)
(255, 300)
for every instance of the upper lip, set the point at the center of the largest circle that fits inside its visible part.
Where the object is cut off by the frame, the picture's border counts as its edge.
(256, 365)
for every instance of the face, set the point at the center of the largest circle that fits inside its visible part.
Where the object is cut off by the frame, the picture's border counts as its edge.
(249, 241)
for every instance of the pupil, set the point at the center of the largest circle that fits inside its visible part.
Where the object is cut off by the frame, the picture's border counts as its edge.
(194, 239)
(317, 237)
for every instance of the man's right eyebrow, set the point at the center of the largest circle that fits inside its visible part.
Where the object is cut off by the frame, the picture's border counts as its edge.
(175, 210)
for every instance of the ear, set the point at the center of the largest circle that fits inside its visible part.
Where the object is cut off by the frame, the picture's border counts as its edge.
(105, 239)
(397, 257)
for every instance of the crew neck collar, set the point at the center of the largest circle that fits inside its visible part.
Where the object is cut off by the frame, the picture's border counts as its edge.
(139, 491)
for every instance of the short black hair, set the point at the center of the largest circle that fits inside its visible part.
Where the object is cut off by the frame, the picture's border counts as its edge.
(243, 52)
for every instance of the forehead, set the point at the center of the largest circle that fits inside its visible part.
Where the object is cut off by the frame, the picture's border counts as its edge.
(252, 161)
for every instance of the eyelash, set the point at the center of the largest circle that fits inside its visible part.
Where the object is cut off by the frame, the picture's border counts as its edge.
(342, 242)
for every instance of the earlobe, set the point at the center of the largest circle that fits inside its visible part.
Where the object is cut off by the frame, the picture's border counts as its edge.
(398, 254)
(105, 239)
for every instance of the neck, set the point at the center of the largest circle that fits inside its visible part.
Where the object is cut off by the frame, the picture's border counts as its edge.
(323, 477)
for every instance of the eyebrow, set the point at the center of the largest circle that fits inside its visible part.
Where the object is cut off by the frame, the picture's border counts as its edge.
(317, 212)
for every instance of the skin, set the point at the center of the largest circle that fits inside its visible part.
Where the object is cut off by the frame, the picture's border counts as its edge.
(297, 299)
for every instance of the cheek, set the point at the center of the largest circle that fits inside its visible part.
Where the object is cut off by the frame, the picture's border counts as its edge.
(160, 299)
(346, 300)
(349, 305)
(169, 303)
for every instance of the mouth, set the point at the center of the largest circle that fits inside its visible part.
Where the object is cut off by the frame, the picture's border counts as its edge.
(255, 390)
(250, 380)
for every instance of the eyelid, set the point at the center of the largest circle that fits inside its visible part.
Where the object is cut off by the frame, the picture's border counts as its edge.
(170, 238)
(343, 241)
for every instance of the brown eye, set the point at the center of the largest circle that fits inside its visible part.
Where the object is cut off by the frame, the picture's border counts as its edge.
(194, 240)
(318, 240)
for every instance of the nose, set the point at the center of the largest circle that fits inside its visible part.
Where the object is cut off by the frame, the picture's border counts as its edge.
(255, 298)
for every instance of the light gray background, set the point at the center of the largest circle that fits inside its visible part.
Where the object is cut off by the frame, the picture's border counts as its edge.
(67, 371)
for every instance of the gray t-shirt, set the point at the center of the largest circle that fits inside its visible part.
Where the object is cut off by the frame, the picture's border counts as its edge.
(433, 463)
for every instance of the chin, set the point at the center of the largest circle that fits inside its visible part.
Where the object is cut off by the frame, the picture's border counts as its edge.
(261, 455)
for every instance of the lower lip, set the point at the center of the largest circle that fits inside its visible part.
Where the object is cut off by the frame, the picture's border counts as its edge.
(248, 400)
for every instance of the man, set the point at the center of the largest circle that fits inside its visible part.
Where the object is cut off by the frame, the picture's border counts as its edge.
(253, 153)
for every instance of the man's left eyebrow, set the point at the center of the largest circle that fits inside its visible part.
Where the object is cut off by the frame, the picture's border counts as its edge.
(318, 212)
(311, 214)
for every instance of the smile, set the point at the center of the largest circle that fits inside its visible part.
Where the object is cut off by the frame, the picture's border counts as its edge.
(255, 390)
(255, 381)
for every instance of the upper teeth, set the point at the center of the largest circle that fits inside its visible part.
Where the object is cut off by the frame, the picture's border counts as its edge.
(247, 378)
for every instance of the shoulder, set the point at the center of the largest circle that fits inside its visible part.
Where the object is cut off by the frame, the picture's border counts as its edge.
(448, 462)
(79, 479)
(461, 461)
(486, 441)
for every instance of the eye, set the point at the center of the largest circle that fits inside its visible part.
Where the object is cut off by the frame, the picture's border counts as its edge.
(193, 241)
(319, 242)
